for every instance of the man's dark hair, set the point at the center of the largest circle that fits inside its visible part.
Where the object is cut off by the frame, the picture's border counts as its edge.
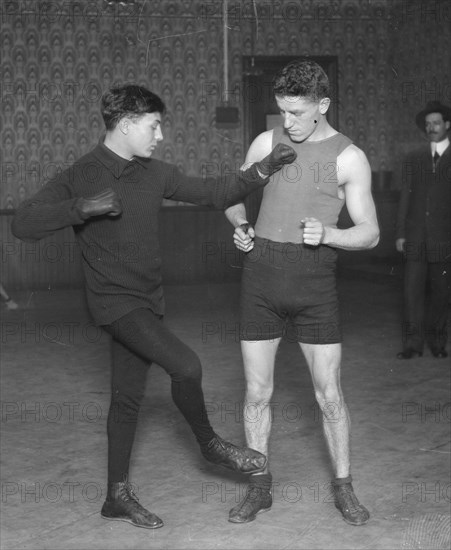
(302, 79)
(129, 100)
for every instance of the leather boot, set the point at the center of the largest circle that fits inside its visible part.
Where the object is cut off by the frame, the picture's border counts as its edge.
(122, 504)
(353, 512)
(239, 459)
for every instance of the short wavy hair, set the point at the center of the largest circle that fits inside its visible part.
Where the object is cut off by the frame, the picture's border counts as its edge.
(129, 100)
(302, 79)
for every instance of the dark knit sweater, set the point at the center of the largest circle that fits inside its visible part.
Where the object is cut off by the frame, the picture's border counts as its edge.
(121, 255)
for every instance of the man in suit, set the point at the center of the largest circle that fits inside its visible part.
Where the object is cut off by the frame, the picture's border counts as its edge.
(424, 236)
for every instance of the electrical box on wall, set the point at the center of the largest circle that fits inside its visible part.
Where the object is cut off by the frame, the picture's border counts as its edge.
(227, 117)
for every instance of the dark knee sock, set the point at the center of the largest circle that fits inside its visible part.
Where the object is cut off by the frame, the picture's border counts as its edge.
(262, 481)
(341, 480)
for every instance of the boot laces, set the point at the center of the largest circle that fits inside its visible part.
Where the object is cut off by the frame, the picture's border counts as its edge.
(128, 495)
(349, 498)
(232, 450)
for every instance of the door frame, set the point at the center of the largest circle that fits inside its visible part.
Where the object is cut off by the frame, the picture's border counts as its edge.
(267, 66)
(258, 74)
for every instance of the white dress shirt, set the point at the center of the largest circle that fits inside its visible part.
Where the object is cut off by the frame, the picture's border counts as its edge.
(439, 146)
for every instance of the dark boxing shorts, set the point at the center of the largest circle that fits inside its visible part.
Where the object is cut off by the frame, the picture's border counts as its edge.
(289, 290)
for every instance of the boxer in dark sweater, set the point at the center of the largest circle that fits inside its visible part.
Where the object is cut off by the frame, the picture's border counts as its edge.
(111, 197)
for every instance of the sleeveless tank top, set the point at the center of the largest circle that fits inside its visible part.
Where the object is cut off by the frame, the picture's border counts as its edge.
(306, 188)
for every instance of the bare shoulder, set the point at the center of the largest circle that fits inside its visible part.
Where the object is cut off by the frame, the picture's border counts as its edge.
(260, 147)
(263, 138)
(352, 154)
(352, 163)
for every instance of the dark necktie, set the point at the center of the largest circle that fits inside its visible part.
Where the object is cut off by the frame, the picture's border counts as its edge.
(435, 160)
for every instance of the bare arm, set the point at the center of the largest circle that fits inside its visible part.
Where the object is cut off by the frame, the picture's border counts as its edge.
(260, 147)
(354, 174)
(236, 214)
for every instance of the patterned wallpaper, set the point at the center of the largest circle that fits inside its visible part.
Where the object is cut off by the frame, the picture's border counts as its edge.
(59, 56)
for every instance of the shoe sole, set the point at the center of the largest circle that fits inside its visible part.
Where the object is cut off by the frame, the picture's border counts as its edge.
(350, 522)
(257, 470)
(252, 518)
(247, 472)
(132, 523)
(408, 357)
(356, 524)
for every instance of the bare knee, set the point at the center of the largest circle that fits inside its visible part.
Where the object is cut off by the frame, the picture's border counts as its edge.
(259, 392)
(330, 401)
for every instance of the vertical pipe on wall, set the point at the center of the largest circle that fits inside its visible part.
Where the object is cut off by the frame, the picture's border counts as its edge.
(226, 53)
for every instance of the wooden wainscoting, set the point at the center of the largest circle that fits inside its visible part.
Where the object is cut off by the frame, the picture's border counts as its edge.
(196, 246)
(51, 263)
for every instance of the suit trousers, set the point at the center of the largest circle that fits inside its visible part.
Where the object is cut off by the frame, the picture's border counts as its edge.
(427, 290)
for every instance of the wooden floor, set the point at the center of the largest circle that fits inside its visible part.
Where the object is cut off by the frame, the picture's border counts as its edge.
(55, 396)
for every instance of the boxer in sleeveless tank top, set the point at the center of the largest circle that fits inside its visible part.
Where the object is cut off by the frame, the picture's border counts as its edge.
(288, 285)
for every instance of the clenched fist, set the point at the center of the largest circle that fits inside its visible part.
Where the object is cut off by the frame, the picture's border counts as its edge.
(281, 154)
(105, 202)
(313, 231)
(244, 237)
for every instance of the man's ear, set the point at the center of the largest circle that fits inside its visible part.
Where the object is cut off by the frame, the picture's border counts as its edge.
(447, 124)
(123, 125)
(324, 105)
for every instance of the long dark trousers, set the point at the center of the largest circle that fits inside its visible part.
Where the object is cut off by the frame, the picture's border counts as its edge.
(139, 339)
(427, 288)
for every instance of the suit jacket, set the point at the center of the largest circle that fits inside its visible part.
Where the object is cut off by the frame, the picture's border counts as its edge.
(424, 214)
